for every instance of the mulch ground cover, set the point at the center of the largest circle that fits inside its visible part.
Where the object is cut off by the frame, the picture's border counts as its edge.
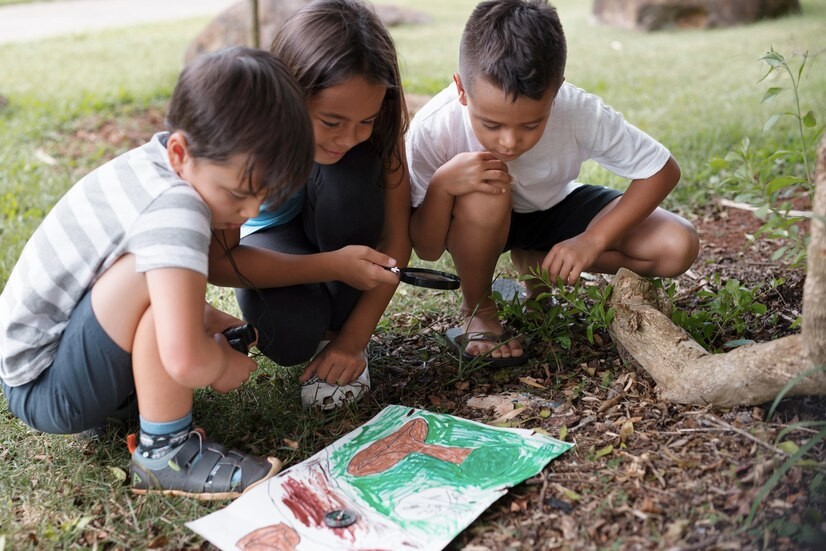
(644, 474)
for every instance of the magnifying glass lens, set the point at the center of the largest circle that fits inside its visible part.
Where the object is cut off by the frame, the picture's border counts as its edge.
(431, 279)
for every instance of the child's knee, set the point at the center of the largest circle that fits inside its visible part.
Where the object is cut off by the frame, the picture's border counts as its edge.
(692, 247)
(683, 244)
(483, 210)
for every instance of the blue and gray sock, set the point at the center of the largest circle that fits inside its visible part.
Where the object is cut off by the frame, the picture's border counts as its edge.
(158, 440)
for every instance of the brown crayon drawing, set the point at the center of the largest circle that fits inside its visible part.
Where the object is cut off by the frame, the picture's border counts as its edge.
(390, 450)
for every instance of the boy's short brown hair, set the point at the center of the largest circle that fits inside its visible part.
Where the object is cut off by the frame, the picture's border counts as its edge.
(245, 101)
(517, 45)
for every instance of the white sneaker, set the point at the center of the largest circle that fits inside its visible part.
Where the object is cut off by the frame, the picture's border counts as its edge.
(317, 393)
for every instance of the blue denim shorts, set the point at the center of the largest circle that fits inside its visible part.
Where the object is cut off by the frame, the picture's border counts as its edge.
(541, 230)
(90, 378)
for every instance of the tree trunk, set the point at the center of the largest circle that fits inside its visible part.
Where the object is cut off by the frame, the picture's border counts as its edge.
(814, 291)
(255, 24)
(686, 373)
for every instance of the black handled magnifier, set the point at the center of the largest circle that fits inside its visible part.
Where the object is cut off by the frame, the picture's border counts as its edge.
(422, 277)
(242, 337)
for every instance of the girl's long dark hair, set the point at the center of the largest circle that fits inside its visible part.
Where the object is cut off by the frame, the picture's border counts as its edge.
(328, 42)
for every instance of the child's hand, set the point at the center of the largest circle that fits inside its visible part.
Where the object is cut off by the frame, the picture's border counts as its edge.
(471, 172)
(239, 367)
(568, 259)
(363, 268)
(336, 364)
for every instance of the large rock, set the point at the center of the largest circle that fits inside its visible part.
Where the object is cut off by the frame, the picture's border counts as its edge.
(652, 15)
(233, 26)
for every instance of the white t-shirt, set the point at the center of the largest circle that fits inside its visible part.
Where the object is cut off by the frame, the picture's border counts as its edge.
(580, 127)
(133, 204)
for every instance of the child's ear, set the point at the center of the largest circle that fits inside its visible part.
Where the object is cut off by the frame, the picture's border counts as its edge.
(178, 150)
(462, 93)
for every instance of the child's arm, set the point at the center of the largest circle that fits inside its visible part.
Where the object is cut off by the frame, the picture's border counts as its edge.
(355, 265)
(569, 258)
(192, 355)
(465, 173)
(341, 360)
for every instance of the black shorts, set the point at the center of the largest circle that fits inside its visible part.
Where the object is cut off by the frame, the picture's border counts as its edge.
(543, 229)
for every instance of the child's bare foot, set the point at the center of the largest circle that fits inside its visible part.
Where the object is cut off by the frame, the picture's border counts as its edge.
(484, 336)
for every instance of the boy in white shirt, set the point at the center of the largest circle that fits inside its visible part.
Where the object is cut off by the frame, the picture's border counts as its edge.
(494, 159)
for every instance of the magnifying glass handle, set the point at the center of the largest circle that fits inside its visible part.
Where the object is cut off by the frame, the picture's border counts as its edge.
(394, 269)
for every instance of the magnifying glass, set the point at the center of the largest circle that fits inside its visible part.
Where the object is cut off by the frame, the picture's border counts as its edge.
(423, 277)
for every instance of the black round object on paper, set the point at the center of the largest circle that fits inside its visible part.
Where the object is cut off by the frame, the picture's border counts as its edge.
(340, 518)
(432, 279)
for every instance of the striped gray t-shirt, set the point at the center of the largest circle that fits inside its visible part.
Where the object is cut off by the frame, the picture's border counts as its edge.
(133, 204)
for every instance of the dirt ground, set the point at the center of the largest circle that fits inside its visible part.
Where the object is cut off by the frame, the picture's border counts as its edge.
(644, 474)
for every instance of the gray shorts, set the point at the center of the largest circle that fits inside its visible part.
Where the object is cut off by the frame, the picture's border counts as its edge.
(90, 378)
(541, 230)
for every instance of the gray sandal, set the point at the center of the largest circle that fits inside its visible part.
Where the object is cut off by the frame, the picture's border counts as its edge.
(203, 469)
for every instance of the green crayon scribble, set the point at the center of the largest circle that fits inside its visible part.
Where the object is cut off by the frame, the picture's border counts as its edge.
(499, 459)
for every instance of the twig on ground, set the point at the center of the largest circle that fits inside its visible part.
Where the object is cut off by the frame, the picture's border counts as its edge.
(542, 492)
(584, 422)
(746, 206)
(720, 423)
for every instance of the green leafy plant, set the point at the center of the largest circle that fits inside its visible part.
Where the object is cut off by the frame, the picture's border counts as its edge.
(773, 177)
(727, 309)
(776, 61)
(590, 302)
(592, 305)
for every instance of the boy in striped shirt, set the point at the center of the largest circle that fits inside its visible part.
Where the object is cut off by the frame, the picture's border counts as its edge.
(106, 304)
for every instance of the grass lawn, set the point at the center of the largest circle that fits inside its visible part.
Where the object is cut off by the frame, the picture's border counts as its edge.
(697, 92)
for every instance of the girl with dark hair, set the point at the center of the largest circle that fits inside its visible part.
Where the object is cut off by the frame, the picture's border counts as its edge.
(311, 273)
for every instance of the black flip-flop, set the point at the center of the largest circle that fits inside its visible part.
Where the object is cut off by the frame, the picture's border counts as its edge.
(460, 340)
